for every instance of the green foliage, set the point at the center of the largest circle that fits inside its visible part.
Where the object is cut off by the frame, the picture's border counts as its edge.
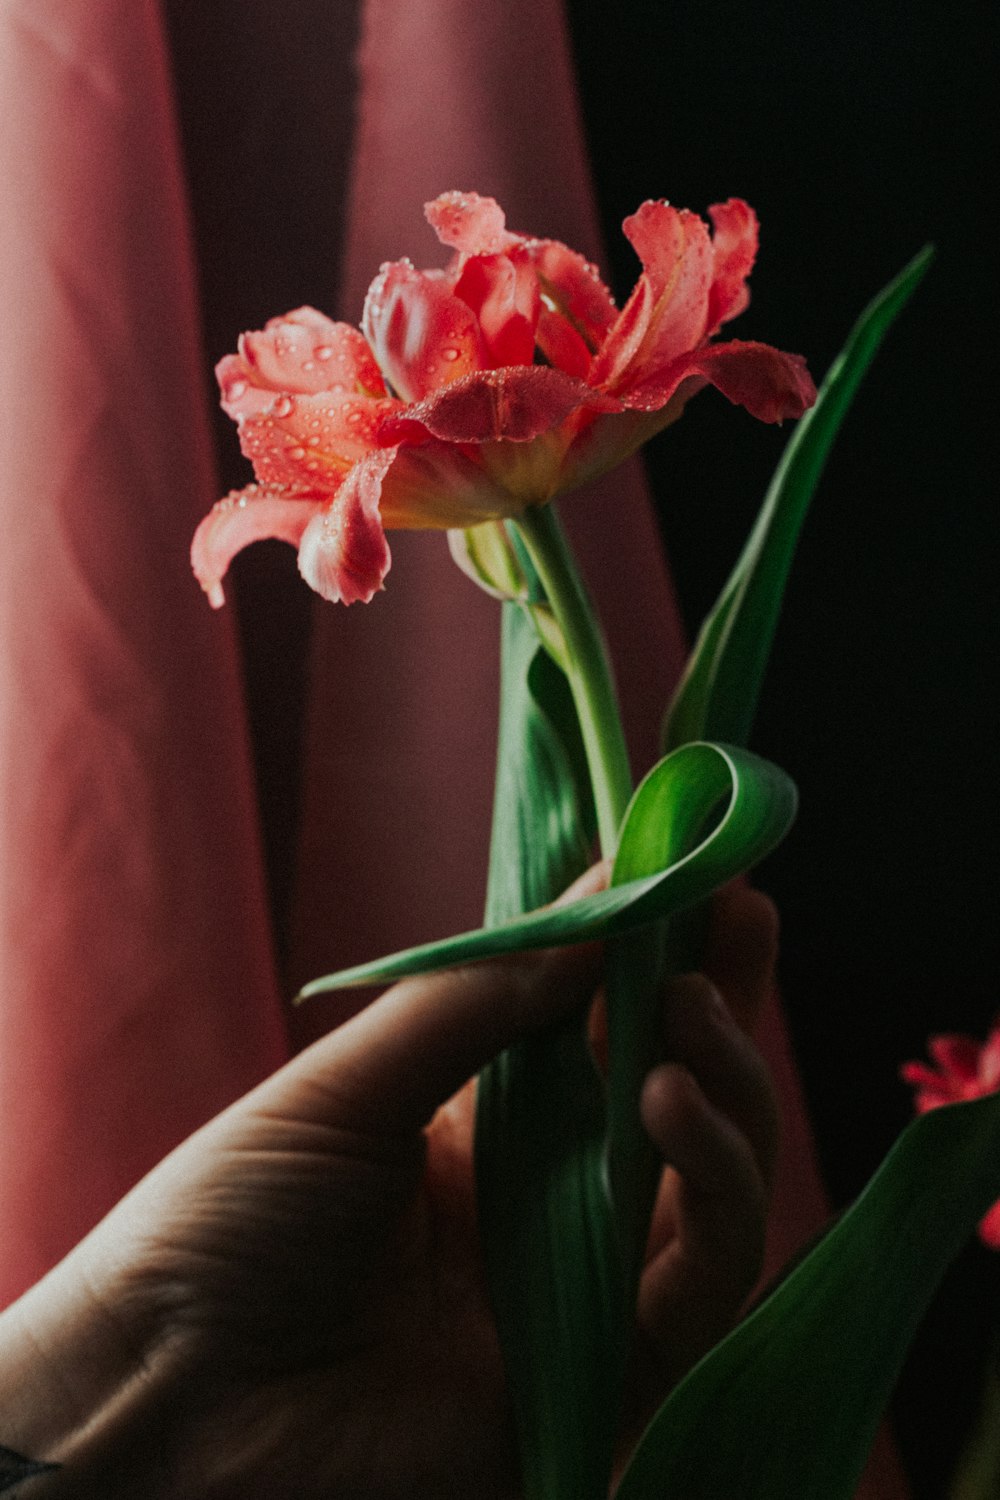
(788, 1404)
(747, 803)
(543, 1212)
(717, 697)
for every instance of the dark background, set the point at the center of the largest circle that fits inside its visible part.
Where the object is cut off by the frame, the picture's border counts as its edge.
(858, 132)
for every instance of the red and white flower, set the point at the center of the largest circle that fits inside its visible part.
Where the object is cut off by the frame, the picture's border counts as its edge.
(963, 1069)
(476, 391)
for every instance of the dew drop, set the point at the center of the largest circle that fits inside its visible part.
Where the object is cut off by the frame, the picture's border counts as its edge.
(314, 442)
(236, 390)
(312, 466)
(323, 352)
(296, 453)
(450, 353)
(309, 364)
(283, 406)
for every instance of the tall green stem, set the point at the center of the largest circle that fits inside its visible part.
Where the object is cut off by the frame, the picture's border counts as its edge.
(587, 669)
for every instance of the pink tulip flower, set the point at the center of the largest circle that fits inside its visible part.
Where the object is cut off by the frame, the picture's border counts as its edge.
(965, 1069)
(479, 390)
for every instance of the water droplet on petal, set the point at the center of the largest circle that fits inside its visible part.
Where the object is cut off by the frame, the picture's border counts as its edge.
(283, 406)
(314, 442)
(450, 353)
(309, 364)
(235, 390)
(323, 352)
(296, 453)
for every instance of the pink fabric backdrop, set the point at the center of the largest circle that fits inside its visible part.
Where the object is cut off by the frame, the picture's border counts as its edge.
(138, 980)
(128, 843)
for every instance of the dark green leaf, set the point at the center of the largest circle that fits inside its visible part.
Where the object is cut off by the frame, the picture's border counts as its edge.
(542, 1208)
(747, 804)
(788, 1404)
(717, 696)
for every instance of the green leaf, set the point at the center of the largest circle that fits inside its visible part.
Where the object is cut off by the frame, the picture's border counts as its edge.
(747, 805)
(543, 813)
(549, 1237)
(717, 696)
(542, 1208)
(788, 1404)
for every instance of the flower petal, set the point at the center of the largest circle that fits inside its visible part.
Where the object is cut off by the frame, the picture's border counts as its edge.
(574, 289)
(343, 553)
(512, 405)
(676, 254)
(771, 385)
(310, 442)
(246, 516)
(504, 297)
(989, 1228)
(469, 223)
(957, 1056)
(435, 485)
(734, 250)
(424, 337)
(613, 365)
(305, 351)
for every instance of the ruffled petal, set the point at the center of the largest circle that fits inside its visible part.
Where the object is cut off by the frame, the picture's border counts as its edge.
(957, 1056)
(505, 299)
(302, 352)
(676, 254)
(424, 337)
(246, 516)
(343, 553)
(734, 250)
(241, 397)
(469, 223)
(771, 385)
(613, 366)
(513, 405)
(310, 442)
(572, 289)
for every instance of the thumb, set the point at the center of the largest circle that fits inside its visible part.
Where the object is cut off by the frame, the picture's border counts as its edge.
(388, 1069)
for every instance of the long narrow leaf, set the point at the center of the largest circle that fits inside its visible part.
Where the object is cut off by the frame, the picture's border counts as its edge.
(786, 1407)
(544, 1219)
(752, 803)
(717, 697)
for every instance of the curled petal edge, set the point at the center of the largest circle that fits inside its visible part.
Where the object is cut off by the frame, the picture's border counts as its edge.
(343, 553)
(513, 404)
(770, 384)
(244, 516)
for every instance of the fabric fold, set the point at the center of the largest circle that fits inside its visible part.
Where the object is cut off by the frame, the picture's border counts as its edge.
(138, 988)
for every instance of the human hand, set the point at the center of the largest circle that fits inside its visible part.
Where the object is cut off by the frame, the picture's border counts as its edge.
(292, 1304)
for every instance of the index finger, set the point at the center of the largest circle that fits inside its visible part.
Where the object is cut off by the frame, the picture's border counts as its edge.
(390, 1067)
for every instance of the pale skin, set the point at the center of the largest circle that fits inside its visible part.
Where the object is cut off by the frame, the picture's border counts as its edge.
(292, 1305)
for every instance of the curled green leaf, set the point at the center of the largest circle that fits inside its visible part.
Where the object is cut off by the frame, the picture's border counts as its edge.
(746, 805)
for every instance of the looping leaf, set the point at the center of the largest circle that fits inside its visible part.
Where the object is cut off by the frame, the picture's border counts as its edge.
(750, 805)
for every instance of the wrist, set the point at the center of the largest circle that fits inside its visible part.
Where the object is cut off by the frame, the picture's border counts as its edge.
(90, 1381)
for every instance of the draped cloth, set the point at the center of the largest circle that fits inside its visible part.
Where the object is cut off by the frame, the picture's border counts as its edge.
(139, 990)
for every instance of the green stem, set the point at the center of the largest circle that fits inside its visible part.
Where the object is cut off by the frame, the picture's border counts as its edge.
(588, 669)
